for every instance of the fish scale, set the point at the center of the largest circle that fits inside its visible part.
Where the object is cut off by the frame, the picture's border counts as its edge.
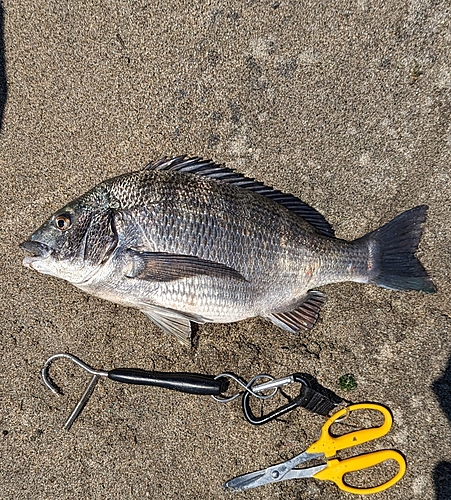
(185, 240)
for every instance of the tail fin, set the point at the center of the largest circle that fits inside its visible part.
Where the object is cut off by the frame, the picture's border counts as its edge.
(393, 248)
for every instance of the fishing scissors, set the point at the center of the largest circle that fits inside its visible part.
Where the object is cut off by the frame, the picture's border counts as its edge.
(326, 447)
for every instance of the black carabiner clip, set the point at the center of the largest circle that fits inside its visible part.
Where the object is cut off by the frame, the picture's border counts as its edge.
(309, 398)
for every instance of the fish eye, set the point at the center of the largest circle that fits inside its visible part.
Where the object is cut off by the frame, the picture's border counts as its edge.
(63, 222)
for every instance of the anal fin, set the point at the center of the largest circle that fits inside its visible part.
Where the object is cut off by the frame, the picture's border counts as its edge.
(304, 315)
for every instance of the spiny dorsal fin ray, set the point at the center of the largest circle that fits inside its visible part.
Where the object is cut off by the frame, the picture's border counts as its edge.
(207, 168)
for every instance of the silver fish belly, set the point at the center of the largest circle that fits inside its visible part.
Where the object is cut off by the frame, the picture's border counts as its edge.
(185, 240)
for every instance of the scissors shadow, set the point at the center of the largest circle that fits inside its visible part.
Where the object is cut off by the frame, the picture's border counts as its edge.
(442, 471)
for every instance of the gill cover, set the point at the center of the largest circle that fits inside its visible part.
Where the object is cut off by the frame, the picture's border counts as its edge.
(101, 237)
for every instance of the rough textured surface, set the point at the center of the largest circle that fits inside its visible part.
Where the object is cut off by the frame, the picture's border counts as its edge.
(345, 104)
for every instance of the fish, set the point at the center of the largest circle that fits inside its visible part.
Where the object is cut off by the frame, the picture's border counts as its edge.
(188, 241)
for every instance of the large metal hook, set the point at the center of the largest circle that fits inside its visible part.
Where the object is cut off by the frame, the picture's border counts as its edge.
(96, 375)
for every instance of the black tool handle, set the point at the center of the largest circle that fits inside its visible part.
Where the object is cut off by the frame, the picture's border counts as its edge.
(191, 383)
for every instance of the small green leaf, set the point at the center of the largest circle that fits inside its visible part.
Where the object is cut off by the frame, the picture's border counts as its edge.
(347, 382)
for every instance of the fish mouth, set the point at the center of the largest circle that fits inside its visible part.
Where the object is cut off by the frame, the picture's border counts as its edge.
(38, 251)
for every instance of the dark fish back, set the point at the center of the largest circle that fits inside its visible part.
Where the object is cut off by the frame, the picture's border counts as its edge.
(184, 214)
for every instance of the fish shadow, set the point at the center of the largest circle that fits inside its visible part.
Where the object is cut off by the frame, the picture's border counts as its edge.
(3, 84)
(442, 471)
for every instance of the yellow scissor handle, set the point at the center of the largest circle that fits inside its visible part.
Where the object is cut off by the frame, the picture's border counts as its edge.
(329, 445)
(336, 469)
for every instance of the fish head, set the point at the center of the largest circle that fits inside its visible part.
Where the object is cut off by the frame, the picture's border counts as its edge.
(74, 242)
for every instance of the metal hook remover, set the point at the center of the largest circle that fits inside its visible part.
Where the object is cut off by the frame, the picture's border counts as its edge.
(312, 396)
(191, 383)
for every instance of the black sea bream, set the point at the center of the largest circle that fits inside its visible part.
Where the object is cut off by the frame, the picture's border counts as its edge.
(185, 240)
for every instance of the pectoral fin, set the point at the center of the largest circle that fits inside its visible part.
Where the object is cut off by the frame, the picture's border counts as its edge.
(160, 266)
(173, 322)
(304, 315)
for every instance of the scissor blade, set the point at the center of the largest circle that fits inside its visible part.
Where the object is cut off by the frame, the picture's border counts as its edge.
(272, 474)
(246, 481)
(303, 473)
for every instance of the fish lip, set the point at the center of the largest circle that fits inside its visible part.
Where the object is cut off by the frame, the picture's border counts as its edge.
(36, 248)
(38, 251)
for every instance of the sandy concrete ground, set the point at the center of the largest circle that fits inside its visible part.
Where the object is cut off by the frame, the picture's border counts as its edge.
(345, 104)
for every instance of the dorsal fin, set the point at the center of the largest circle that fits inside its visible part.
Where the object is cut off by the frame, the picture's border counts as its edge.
(207, 168)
